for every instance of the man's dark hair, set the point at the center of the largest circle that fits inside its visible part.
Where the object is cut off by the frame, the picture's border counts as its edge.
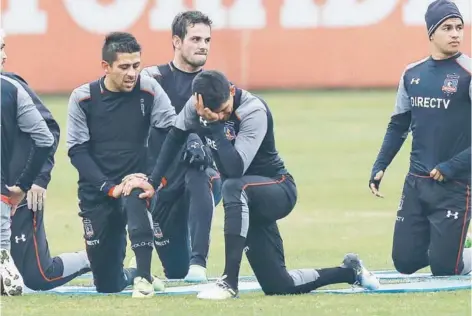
(213, 86)
(186, 19)
(119, 42)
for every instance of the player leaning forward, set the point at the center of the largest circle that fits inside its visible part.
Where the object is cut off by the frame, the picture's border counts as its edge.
(257, 189)
(434, 101)
(19, 116)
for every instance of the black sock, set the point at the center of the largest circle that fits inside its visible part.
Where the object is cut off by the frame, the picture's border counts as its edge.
(143, 262)
(234, 247)
(335, 275)
(139, 231)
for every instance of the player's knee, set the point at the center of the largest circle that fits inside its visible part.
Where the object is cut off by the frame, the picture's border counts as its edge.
(176, 271)
(108, 288)
(37, 282)
(441, 266)
(274, 287)
(405, 265)
(278, 291)
(36, 285)
(110, 285)
(135, 192)
(231, 190)
(175, 264)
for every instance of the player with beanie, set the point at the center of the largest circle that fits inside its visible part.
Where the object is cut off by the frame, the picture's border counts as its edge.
(434, 103)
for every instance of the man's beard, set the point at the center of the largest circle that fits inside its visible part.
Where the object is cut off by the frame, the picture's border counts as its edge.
(196, 63)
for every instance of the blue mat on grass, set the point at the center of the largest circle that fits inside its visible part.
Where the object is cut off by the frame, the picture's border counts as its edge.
(381, 273)
(391, 282)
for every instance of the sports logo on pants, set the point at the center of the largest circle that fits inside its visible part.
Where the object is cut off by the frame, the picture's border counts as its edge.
(157, 230)
(88, 228)
(454, 215)
(400, 206)
(20, 238)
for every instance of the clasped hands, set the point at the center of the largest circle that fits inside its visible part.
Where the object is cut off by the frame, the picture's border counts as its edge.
(134, 181)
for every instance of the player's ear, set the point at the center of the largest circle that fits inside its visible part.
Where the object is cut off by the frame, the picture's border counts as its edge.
(176, 41)
(105, 66)
(232, 90)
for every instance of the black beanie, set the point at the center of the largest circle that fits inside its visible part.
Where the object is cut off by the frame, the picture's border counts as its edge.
(438, 12)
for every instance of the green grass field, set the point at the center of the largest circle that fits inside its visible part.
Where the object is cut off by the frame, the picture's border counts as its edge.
(329, 141)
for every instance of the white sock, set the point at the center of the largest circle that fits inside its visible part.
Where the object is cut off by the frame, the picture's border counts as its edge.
(74, 262)
(5, 228)
(467, 258)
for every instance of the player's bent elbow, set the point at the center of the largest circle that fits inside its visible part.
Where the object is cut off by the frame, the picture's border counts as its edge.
(46, 140)
(50, 141)
(49, 144)
(77, 149)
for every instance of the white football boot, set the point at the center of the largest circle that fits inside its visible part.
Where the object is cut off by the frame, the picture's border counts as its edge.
(12, 281)
(221, 290)
(364, 278)
(196, 274)
(157, 283)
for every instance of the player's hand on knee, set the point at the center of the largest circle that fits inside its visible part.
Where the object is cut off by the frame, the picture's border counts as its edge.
(436, 175)
(35, 198)
(374, 184)
(132, 181)
(117, 190)
(140, 183)
(135, 175)
(16, 195)
(13, 210)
